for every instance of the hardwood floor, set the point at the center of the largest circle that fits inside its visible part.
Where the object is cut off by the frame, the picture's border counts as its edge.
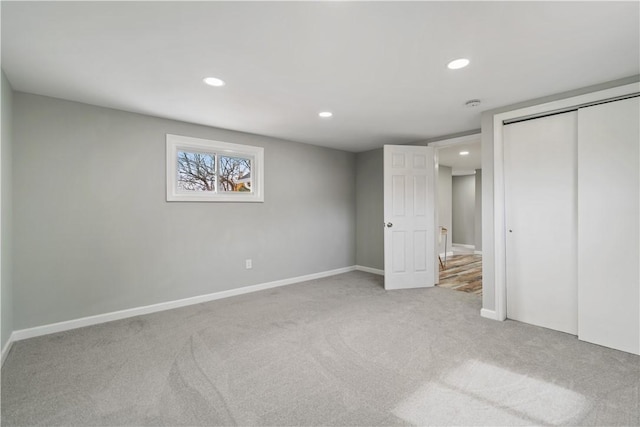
(463, 273)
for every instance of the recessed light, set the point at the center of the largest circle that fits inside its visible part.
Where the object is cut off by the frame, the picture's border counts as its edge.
(458, 63)
(464, 153)
(213, 81)
(325, 114)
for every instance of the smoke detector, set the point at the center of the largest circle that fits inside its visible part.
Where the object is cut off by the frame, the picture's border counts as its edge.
(472, 103)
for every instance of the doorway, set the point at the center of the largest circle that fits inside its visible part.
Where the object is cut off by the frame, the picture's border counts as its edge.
(459, 212)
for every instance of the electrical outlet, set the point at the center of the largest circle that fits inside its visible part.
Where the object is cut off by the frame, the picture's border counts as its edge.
(248, 265)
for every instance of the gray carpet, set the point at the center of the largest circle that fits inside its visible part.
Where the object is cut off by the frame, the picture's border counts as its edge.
(334, 351)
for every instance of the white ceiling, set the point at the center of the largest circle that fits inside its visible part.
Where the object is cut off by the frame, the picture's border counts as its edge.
(379, 66)
(462, 165)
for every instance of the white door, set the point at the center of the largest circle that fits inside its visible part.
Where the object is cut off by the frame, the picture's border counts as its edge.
(541, 220)
(410, 258)
(609, 225)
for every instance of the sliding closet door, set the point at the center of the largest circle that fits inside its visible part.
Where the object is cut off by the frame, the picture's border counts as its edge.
(608, 226)
(540, 212)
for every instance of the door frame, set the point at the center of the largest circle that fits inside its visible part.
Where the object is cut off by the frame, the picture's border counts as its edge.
(499, 225)
(472, 137)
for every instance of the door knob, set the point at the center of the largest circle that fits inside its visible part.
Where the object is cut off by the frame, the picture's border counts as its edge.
(389, 225)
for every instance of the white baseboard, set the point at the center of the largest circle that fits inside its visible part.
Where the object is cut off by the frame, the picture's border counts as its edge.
(450, 253)
(477, 252)
(370, 270)
(463, 245)
(7, 348)
(147, 309)
(489, 314)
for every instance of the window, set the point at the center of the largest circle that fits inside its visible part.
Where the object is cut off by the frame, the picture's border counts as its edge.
(201, 170)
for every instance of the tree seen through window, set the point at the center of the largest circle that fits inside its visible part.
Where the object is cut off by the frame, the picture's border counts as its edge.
(235, 174)
(200, 172)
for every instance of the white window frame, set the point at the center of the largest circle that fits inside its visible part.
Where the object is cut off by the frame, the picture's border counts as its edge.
(176, 143)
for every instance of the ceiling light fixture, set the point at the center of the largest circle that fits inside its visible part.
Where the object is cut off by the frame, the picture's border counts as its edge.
(325, 114)
(213, 81)
(464, 153)
(458, 63)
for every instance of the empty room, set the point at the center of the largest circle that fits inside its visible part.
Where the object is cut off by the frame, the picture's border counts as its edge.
(320, 213)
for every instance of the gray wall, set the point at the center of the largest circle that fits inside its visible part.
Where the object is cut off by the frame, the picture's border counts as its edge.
(94, 234)
(445, 201)
(370, 209)
(488, 245)
(6, 291)
(478, 211)
(464, 206)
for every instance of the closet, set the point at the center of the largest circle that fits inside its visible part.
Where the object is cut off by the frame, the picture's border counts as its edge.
(572, 216)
